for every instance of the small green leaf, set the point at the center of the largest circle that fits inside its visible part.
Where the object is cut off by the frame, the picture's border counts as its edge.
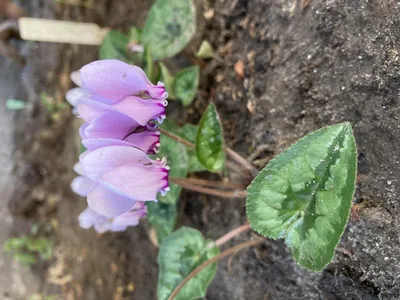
(162, 216)
(169, 27)
(205, 51)
(188, 132)
(114, 46)
(210, 141)
(168, 80)
(305, 194)
(186, 84)
(178, 161)
(14, 244)
(25, 259)
(14, 104)
(181, 253)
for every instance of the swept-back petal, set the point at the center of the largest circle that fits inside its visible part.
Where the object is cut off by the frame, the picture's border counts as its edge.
(93, 144)
(108, 203)
(142, 111)
(82, 185)
(138, 182)
(147, 141)
(104, 159)
(89, 217)
(112, 79)
(74, 95)
(110, 125)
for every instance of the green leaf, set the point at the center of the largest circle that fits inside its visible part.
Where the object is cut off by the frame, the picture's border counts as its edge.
(205, 51)
(188, 132)
(162, 216)
(14, 104)
(186, 84)
(181, 253)
(305, 194)
(210, 141)
(177, 159)
(14, 244)
(168, 80)
(169, 27)
(134, 34)
(25, 259)
(114, 46)
(149, 66)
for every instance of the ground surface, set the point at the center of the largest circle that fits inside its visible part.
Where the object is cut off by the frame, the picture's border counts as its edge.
(306, 64)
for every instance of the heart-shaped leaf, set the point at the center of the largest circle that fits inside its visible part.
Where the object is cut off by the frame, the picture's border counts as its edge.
(169, 27)
(305, 194)
(186, 84)
(162, 216)
(188, 132)
(210, 141)
(180, 253)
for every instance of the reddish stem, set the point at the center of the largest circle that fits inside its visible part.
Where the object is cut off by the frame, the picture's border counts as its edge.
(231, 234)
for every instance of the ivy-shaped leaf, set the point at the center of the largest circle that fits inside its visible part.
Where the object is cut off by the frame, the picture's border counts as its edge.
(114, 46)
(169, 27)
(210, 141)
(177, 159)
(186, 84)
(305, 194)
(180, 253)
(162, 216)
(188, 132)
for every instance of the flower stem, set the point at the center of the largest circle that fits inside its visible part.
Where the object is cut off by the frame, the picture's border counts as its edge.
(223, 194)
(241, 161)
(216, 258)
(231, 234)
(214, 183)
(231, 153)
(177, 138)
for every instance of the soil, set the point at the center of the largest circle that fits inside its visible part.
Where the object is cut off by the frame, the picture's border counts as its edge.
(284, 68)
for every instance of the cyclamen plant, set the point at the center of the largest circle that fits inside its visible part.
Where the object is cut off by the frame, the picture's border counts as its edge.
(121, 109)
(303, 195)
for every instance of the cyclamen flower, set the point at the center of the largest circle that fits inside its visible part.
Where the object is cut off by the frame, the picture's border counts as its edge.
(89, 218)
(119, 105)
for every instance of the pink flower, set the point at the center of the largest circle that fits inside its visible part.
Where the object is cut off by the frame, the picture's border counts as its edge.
(119, 105)
(113, 129)
(89, 218)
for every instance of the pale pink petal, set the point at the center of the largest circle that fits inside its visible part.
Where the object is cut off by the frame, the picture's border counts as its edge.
(76, 78)
(89, 109)
(88, 218)
(82, 185)
(142, 111)
(112, 79)
(78, 168)
(93, 144)
(74, 95)
(110, 125)
(138, 182)
(108, 203)
(107, 158)
(147, 141)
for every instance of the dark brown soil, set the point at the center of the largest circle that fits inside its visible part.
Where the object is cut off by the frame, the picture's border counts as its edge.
(304, 66)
